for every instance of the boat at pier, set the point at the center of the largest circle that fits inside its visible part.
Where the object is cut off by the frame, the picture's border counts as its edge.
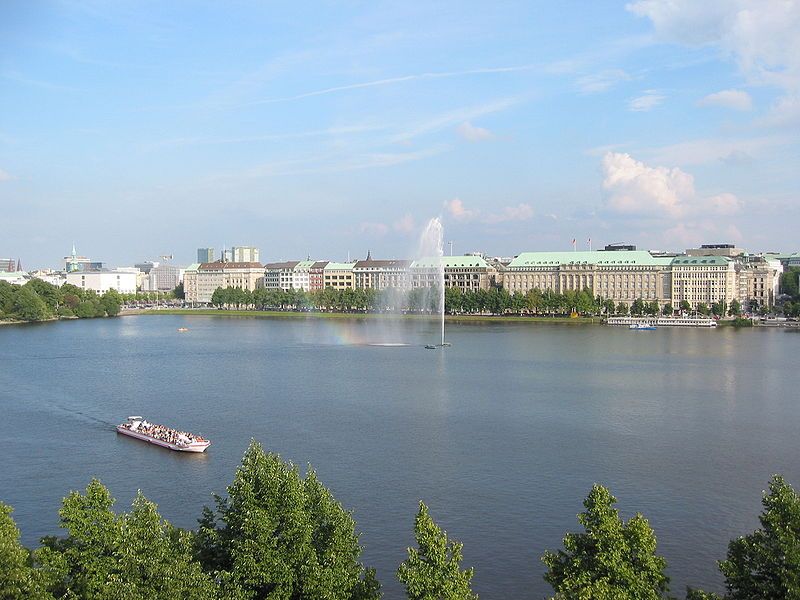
(166, 437)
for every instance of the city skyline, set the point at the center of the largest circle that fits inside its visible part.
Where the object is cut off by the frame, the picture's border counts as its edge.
(315, 133)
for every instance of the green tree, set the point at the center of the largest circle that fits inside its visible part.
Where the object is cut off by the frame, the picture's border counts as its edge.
(668, 310)
(637, 308)
(178, 292)
(719, 308)
(28, 306)
(50, 294)
(735, 309)
(766, 563)
(18, 580)
(281, 536)
(611, 560)
(111, 302)
(622, 308)
(685, 306)
(433, 571)
(608, 306)
(703, 309)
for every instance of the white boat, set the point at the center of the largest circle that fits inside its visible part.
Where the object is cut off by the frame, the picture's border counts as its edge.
(642, 327)
(166, 437)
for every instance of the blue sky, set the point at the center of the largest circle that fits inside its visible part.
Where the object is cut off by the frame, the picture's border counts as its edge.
(137, 129)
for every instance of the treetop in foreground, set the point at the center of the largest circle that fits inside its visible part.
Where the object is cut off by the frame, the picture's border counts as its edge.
(612, 560)
(281, 536)
(432, 571)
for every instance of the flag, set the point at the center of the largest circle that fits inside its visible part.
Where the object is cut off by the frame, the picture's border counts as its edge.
(573, 241)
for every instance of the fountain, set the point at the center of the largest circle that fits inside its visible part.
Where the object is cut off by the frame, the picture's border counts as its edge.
(431, 245)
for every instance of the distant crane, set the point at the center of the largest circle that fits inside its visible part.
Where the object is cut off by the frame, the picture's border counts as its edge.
(166, 257)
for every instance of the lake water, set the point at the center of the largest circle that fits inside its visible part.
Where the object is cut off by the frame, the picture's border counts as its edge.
(502, 434)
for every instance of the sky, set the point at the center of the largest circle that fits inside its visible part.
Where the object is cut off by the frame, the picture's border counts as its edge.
(327, 129)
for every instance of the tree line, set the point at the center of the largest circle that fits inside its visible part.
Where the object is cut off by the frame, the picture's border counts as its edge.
(38, 300)
(495, 301)
(279, 534)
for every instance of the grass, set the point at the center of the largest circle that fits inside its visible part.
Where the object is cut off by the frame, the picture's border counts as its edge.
(270, 314)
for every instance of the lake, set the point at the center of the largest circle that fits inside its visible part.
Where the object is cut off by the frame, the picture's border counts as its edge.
(502, 434)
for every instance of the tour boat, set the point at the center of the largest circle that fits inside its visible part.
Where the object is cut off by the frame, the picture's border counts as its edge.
(182, 329)
(139, 428)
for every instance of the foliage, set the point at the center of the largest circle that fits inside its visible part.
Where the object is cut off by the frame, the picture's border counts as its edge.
(668, 310)
(136, 555)
(719, 308)
(432, 571)
(611, 560)
(38, 300)
(789, 282)
(279, 535)
(766, 563)
(28, 306)
(735, 308)
(18, 580)
(685, 306)
(703, 309)
(742, 322)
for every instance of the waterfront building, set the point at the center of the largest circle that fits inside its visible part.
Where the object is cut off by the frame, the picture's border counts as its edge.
(469, 273)
(205, 255)
(56, 278)
(301, 275)
(242, 254)
(14, 277)
(704, 279)
(190, 291)
(620, 275)
(278, 275)
(338, 276)
(163, 278)
(316, 276)
(100, 281)
(382, 274)
(207, 277)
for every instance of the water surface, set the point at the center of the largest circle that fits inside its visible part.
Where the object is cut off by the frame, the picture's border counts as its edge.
(502, 434)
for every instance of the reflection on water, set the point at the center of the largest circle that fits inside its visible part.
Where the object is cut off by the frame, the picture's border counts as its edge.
(502, 434)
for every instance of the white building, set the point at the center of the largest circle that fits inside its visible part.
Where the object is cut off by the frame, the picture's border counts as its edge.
(121, 280)
(242, 254)
(163, 278)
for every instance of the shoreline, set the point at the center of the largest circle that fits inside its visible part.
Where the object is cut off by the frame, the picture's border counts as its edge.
(276, 314)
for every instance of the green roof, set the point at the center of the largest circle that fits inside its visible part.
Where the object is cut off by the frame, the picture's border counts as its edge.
(701, 261)
(304, 264)
(334, 266)
(450, 262)
(193, 267)
(592, 257)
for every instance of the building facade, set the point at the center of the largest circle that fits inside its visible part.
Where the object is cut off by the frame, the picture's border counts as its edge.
(316, 276)
(163, 278)
(382, 274)
(207, 277)
(278, 276)
(469, 273)
(123, 281)
(242, 254)
(338, 276)
(205, 255)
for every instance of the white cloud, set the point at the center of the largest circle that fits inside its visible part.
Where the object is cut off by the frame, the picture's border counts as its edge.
(785, 112)
(649, 100)
(712, 150)
(458, 211)
(471, 133)
(637, 189)
(521, 212)
(4, 176)
(405, 224)
(375, 229)
(602, 81)
(760, 35)
(735, 99)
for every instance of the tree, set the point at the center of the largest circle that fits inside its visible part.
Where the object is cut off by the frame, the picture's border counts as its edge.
(766, 563)
(432, 572)
(719, 308)
(622, 308)
(667, 311)
(135, 555)
(637, 308)
(28, 306)
(608, 306)
(735, 309)
(703, 309)
(279, 535)
(178, 292)
(612, 559)
(685, 306)
(18, 580)
(111, 302)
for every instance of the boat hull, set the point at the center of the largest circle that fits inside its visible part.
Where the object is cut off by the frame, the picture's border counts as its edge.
(193, 447)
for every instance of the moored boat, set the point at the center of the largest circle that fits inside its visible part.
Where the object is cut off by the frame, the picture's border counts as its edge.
(166, 437)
